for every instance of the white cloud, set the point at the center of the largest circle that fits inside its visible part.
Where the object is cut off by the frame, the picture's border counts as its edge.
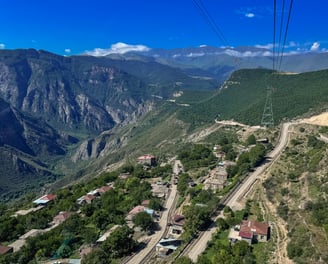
(247, 53)
(195, 54)
(2, 46)
(267, 46)
(68, 50)
(315, 46)
(250, 15)
(202, 46)
(118, 48)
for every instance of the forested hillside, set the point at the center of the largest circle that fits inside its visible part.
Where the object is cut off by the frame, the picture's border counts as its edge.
(243, 97)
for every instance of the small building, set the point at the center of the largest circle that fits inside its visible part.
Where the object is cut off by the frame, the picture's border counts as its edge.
(104, 189)
(217, 179)
(166, 246)
(159, 191)
(250, 231)
(5, 250)
(177, 223)
(44, 199)
(147, 160)
(61, 217)
(136, 210)
(86, 199)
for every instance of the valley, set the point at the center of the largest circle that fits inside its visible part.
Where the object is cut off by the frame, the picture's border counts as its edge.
(77, 125)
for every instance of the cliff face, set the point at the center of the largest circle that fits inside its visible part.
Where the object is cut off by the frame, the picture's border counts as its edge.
(45, 99)
(58, 110)
(68, 93)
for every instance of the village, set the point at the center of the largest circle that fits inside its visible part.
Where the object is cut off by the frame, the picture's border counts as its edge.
(215, 180)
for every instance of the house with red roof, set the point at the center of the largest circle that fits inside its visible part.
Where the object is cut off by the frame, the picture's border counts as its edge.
(61, 217)
(250, 231)
(104, 189)
(44, 199)
(147, 160)
(137, 209)
(86, 199)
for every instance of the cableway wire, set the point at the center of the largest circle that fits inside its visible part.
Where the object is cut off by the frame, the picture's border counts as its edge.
(210, 21)
(274, 35)
(278, 53)
(281, 25)
(286, 32)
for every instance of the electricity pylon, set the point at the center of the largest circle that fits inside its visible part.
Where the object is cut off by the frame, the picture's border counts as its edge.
(267, 117)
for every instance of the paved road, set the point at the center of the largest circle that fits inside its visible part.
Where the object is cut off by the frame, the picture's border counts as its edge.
(154, 239)
(200, 246)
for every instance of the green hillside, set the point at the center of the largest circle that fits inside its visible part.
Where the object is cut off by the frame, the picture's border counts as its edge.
(243, 96)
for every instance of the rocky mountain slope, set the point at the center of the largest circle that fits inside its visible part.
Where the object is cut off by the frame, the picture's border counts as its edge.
(49, 103)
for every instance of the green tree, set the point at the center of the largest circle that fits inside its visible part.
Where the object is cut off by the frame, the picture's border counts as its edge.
(101, 219)
(222, 224)
(241, 248)
(183, 182)
(89, 235)
(97, 256)
(251, 140)
(155, 204)
(119, 243)
(144, 220)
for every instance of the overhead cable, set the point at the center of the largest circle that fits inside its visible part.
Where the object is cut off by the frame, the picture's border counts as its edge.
(286, 32)
(210, 21)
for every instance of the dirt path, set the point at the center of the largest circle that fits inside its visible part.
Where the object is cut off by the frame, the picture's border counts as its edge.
(279, 231)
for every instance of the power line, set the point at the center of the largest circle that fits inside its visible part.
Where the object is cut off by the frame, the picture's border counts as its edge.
(281, 26)
(274, 34)
(210, 21)
(286, 31)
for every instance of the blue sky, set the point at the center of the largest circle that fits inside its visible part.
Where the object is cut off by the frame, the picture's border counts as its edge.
(74, 27)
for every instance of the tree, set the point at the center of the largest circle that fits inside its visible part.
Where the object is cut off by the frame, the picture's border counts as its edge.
(232, 170)
(144, 220)
(97, 256)
(155, 204)
(101, 219)
(241, 248)
(89, 235)
(119, 243)
(222, 224)
(251, 140)
(183, 182)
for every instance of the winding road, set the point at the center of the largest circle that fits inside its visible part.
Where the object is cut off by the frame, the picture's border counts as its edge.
(200, 244)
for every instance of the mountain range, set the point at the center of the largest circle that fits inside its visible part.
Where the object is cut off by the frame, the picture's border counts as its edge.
(220, 62)
(57, 113)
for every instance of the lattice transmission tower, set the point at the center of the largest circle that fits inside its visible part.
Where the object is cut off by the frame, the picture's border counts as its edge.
(267, 116)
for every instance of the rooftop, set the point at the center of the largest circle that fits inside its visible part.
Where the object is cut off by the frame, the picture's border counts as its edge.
(45, 199)
(146, 157)
(254, 227)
